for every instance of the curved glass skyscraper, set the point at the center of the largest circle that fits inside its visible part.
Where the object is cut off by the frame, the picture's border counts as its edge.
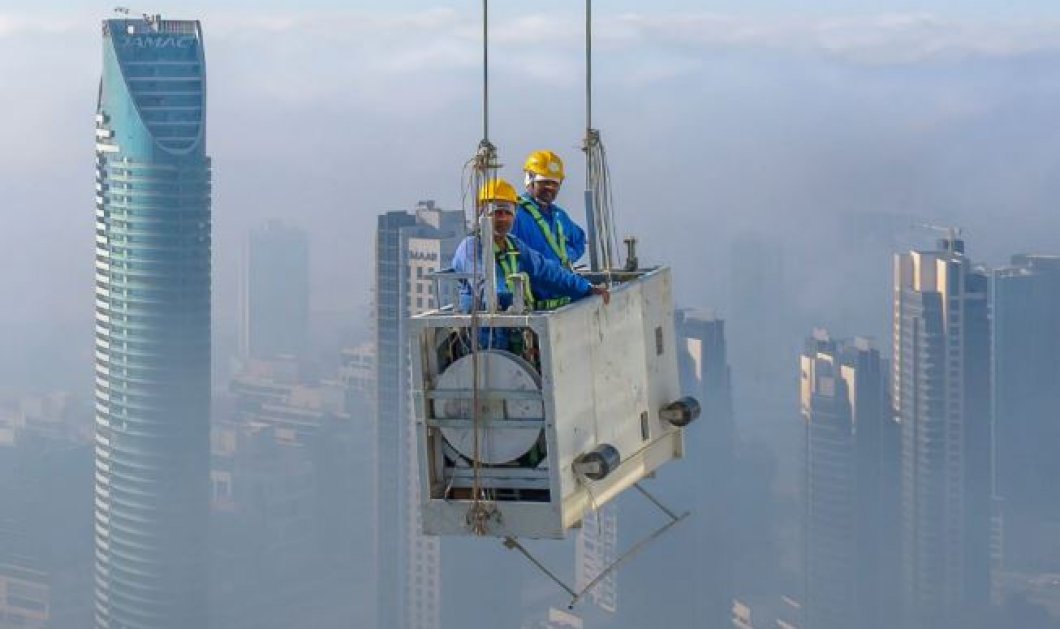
(152, 326)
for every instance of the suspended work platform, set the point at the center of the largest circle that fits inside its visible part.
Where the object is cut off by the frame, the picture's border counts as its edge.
(575, 405)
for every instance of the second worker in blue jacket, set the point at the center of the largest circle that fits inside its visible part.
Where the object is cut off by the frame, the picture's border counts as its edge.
(544, 226)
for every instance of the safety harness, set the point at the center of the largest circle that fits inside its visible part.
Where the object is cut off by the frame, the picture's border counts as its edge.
(558, 246)
(509, 261)
(558, 242)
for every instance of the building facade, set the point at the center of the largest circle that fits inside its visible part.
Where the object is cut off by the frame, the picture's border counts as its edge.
(1025, 300)
(408, 247)
(941, 396)
(596, 548)
(274, 295)
(152, 309)
(850, 487)
(703, 360)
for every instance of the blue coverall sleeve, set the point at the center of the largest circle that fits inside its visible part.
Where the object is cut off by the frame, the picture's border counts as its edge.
(463, 262)
(462, 259)
(575, 237)
(551, 276)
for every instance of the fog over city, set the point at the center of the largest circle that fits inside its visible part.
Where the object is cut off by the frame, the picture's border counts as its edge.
(776, 157)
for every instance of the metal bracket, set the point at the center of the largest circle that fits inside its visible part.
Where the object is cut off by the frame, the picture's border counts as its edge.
(518, 288)
(672, 518)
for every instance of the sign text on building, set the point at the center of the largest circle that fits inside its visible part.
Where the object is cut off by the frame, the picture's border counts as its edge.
(147, 41)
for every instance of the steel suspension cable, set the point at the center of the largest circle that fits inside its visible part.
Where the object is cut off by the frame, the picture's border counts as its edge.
(601, 217)
(588, 64)
(483, 167)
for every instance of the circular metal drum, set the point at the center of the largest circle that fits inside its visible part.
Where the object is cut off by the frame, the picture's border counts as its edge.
(498, 370)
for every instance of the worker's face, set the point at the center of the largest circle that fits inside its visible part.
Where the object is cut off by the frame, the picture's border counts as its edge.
(544, 190)
(503, 217)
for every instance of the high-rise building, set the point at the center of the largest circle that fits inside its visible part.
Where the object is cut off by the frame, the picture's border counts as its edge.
(941, 396)
(850, 486)
(596, 548)
(1025, 300)
(704, 483)
(152, 326)
(274, 295)
(408, 247)
(711, 442)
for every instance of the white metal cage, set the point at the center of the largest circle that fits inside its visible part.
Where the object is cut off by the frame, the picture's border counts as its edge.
(581, 406)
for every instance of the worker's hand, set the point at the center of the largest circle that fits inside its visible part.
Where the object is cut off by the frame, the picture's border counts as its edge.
(602, 291)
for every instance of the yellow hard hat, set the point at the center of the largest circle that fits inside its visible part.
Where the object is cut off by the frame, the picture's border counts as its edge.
(497, 190)
(545, 164)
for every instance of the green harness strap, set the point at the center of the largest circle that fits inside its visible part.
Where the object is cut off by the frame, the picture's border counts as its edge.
(559, 246)
(509, 261)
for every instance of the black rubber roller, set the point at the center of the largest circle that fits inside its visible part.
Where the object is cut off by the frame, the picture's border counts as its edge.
(680, 413)
(598, 463)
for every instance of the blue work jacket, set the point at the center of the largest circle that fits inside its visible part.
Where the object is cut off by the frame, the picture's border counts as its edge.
(527, 230)
(546, 276)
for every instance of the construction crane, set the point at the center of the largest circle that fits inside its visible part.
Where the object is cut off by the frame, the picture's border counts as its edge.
(952, 240)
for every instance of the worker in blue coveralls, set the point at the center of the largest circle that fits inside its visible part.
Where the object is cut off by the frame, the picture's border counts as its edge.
(513, 257)
(544, 226)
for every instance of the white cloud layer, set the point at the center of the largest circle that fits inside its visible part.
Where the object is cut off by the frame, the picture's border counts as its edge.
(885, 38)
(881, 38)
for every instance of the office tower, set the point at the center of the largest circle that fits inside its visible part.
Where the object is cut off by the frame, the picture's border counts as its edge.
(408, 247)
(152, 326)
(596, 548)
(704, 552)
(850, 494)
(274, 294)
(1025, 301)
(941, 396)
(710, 442)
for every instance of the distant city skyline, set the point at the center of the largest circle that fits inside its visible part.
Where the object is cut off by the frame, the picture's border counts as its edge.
(783, 160)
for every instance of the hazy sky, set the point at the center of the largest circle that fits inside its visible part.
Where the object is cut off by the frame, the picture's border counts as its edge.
(959, 8)
(826, 129)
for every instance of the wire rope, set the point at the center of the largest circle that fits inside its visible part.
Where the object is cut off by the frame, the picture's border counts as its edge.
(479, 171)
(597, 172)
